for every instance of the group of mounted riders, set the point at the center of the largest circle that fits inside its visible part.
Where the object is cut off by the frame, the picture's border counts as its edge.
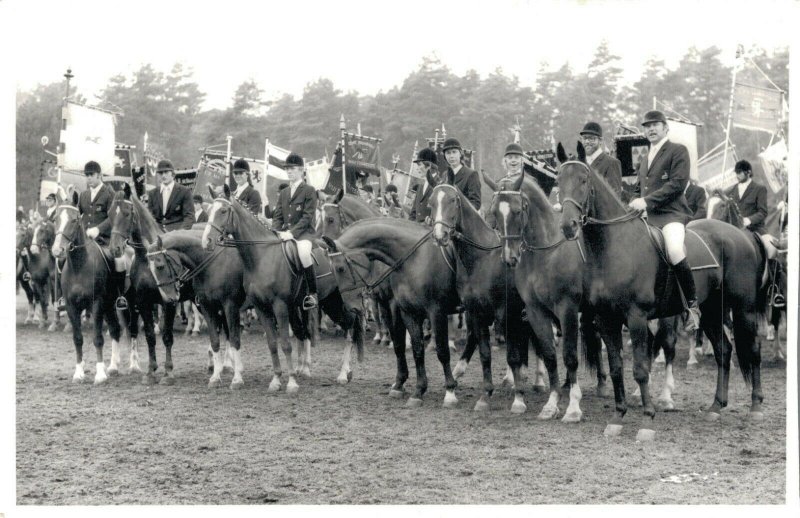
(663, 194)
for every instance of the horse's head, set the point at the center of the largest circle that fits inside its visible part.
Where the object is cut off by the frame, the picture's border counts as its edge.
(333, 219)
(445, 204)
(67, 224)
(721, 207)
(509, 210)
(24, 237)
(166, 269)
(575, 190)
(44, 234)
(349, 268)
(221, 218)
(124, 221)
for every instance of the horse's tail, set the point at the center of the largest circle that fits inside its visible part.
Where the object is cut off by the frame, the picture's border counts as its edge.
(358, 333)
(591, 346)
(763, 264)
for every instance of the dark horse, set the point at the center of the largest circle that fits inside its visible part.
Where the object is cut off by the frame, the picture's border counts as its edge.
(88, 282)
(337, 214)
(628, 282)
(486, 288)
(43, 269)
(133, 225)
(274, 289)
(549, 278)
(24, 238)
(423, 285)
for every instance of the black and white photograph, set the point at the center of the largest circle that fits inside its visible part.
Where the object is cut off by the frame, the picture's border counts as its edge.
(351, 254)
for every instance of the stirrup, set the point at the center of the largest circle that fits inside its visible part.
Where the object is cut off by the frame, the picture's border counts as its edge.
(778, 300)
(309, 302)
(26, 277)
(121, 303)
(61, 304)
(692, 318)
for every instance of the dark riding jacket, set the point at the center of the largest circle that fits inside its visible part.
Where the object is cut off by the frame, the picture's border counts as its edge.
(251, 198)
(296, 213)
(179, 212)
(420, 209)
(696, 199)
(469, 183)
(94, 213)
(752, 204)
(609, 168)
(662, 183)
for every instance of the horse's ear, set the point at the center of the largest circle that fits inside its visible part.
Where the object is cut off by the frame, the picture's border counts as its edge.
(451, 176)
(227, 191)
(339, 196)
(126, 189)
(331, 243)
(488, 181)
(518, 183)
(581, 152)
(74, 198)
(211, 191)
(561, 154)
(159, 244)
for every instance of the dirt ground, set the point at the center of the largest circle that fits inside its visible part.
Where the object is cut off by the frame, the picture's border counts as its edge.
(126, 443)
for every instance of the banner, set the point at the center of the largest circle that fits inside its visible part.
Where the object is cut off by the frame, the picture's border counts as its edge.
(335, 176)
(774, 161)
(48, 179)
(757, 108)
(362, 154)
(709, 171)
(211, 171)
(630, 150)
(686, 134)
(317, 173)
(86, 134)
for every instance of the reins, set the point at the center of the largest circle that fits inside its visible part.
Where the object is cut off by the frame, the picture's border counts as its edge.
(455, 234)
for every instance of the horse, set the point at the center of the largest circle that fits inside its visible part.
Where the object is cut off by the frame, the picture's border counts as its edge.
(273, 288)
(423, 284)
(133, 225)
(43, 269)
(486, 288)
(628, 282)
(721, 207)
(23, 276)
(337, 214)
(88, 282)
(548, 273)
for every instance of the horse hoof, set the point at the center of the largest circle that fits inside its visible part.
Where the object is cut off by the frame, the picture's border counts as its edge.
(112, 371)
(712, 417)
(387, 343)
(135, 369)
(237, 385)
(148, 379)
(665, 405)
(195, 334)
(305, 372)
(645, 435)
(292, 387)
(450, 400)
(572, 417)
(78, 378)
(413, 402)
(757, 416)
(167, 381)
(602, 390)
(481, 406)
(518, 407)
(274, 386)
(100, 379)
(692, 364)
(507, 382)
(214, 383)
(343, 379)
(547, 413)
(396, 394)
(612, 430)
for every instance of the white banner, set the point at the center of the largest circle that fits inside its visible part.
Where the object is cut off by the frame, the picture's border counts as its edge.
(317, 172)
(774, 160)
(686, 134)
(86, 134)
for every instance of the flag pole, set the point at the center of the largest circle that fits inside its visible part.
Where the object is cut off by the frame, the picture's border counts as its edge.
(228, 161)
(266, 170)
(739, 52)
(344, 155)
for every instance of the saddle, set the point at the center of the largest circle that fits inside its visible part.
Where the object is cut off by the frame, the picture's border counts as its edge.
(292, 256)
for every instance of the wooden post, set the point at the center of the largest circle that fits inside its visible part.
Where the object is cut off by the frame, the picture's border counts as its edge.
(739, 51)
(342, 127)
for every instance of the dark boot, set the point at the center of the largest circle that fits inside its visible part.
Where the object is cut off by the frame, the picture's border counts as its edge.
(683, 273)
(310, 301)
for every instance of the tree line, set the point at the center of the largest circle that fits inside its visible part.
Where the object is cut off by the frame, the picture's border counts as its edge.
(479, 111)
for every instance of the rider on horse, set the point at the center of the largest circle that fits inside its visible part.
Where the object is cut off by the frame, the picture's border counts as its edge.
(425, 161)
(663, 175)
(601, 162)
(293, 218)
(245, 192)
(465, 179)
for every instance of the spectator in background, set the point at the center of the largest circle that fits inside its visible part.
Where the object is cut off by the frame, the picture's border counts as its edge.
(200, 215)
(696, 199)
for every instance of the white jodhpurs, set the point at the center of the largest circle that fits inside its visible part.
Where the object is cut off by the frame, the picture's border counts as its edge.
(674, 234)
(304, 247)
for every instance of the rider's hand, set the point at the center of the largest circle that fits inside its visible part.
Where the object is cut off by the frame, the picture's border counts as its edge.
(92, 233)
(746, 222)
(286, 235)
(638, 204)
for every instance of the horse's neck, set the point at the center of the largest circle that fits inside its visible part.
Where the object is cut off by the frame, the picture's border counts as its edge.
(355, 209)
(473, 227)
(247, 229)
(190, 251)
(79, 253)
(383, 242)
(542, 228)
(148, 229)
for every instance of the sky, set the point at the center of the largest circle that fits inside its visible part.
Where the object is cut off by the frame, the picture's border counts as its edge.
(365, 46)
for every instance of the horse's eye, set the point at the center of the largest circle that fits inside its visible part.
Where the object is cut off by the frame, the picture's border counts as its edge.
(329, 220)
(340, 269)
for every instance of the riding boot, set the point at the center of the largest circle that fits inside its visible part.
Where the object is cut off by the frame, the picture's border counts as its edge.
(683, 274)
(310, 301)
(776, 298)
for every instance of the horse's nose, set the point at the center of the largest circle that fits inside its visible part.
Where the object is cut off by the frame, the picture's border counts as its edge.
(570, 228)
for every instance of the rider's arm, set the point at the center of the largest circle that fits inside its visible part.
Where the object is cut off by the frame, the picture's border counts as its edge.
(674, 187)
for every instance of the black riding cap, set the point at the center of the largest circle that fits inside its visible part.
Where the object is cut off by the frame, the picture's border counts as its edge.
(653, 116)
(164, 166)
(241, 166)
(451, 143)
(91, 167)
(513, 149)
(592, 128)
(426, 154)
(743, 166)
(293, 159)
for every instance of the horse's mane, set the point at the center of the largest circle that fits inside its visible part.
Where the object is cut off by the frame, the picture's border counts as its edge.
(251, 217)
(403, 224)
(602, 183)
(360, 203)
(146, 220)
(181, 238)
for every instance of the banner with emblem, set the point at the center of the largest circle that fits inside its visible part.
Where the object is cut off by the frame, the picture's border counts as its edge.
(48, 182)
(709, 170)
(757, 108)
(211, 170)
(774, 161)
(87, 133)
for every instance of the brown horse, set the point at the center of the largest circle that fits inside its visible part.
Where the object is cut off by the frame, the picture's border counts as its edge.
(486, 287)
(549, 277)
(24, 239)
(423, 285)
(43, 269)
(88, 282)
(628, 282)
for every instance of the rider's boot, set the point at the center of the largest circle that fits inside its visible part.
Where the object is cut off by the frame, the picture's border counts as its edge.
(683, 273)
(310, 301)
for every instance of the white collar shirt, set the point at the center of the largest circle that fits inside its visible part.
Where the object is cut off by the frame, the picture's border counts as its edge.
(96, 190)
(166, 192)
(240, 190)
(591, 158)
(456, 169)
(651, 155)
(293, 187)
(743, 187)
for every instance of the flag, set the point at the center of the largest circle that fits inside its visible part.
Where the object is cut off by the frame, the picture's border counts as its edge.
(86, 134)
(757, 108)
(335, 176)
(318, 172)
(774, 161)
(709, 170)
(685, 133)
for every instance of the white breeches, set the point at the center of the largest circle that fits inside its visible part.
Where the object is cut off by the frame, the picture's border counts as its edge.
(304, 247)
(674, 234)
(768, 241)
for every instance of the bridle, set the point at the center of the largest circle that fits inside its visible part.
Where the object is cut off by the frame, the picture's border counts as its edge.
(127, 238)
(343, 224)
(585, 218)
(70, 240)
(451, 231)
(222, 240)
(171, 262)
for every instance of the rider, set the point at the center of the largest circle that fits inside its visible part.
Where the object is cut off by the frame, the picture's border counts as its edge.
(171, 205)
(601, 162)
(512, 159)
(293, 219)
(50, 202)
(425, 161)
(663, 175)
(245, 192)
(466, 179)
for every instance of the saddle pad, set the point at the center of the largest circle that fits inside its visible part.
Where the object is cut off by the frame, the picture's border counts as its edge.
(698, 252)
(293, 257)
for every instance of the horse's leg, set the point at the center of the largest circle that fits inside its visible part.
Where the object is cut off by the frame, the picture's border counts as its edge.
(212, 316)
(334, 307)
(115, 330)
(168, 338)
(466, 354)
(384, 312)
(97, 319)
(516, 356)
(398, 329)
(74, 315)
(231, 316)
(146, 311)
(133, 333)
(481, 331)
(282, 316)
(748, 352)
(594, 350)
(711, 321)
(198, 319)
(271, 331)
(698, 344)
(31, 303)
(546, 351)
(611, 332)
(440, 326)
(665, 339)
(568, 316)
(414, 326)
(642, 357)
